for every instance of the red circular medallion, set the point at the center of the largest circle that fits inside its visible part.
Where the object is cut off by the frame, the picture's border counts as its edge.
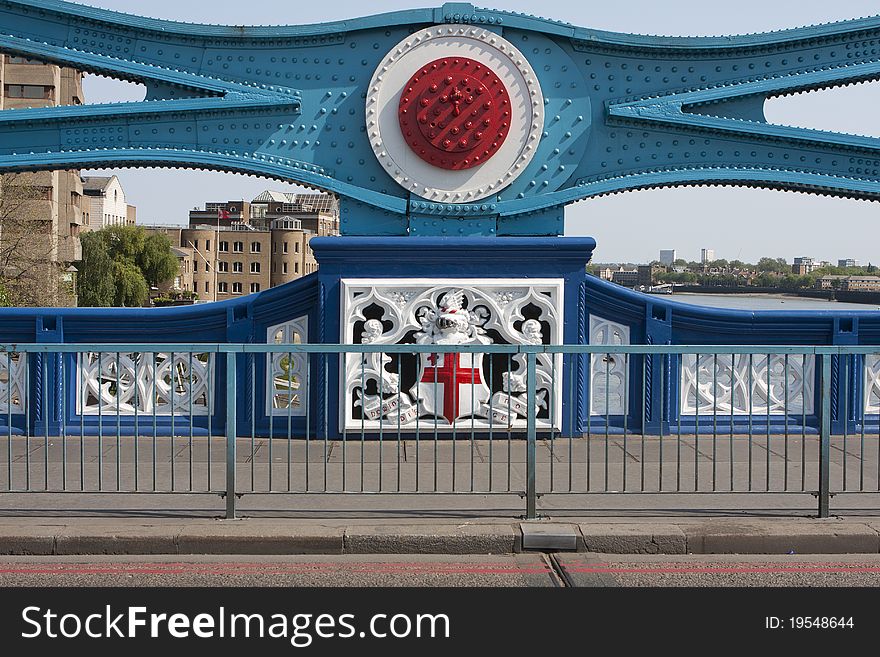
(455, 113)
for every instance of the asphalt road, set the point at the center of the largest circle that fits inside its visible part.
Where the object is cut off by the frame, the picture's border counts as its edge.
(523, 570)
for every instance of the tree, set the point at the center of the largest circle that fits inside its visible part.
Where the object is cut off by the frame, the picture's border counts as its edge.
(120, 264)
(773, 265)
(95, 286)
(29, 275)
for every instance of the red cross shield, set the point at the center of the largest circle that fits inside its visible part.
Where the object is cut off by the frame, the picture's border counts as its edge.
(451, 385)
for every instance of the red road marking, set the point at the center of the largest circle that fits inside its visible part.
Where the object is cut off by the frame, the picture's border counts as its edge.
(274, 569)
(736, 569)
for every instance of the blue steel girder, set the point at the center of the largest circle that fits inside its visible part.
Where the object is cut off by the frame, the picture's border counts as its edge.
(621, 112)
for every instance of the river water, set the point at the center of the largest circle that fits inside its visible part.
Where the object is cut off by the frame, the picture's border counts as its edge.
(764, 302)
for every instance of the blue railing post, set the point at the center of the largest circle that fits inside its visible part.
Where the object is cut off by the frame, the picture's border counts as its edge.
(531, 436)
(825, 436)
(231, 427)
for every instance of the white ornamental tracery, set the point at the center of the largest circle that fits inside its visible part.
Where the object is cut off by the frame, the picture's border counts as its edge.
(455, 390)
(609, 378)
(286, 382)
(738, 384)
(872, 384)
(12, 382)
(145, 383)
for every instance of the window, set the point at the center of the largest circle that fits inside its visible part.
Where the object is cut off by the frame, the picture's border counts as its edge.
(195, 265)
(255, 287)
(14, 59)
(236, 288)
(255, 267)
(207, 286)
(296, 247)
(255, 247)
(223, 288)
(35, 91)
(284, 268)
(196, 245)
(237, 267)
(207, 245)
(295, 267)
(285, 247)
(224, 247)
(223, 267)
(238, 247)
(274, 247)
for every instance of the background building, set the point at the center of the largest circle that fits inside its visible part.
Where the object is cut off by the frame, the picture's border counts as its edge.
(235, 248)
(105, 203)
(668, 257)
(58, 210)
(707, 256)
(848, 262)
(803, 266)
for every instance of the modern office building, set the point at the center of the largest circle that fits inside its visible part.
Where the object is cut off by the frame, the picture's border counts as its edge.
(668, 257)
(707, 256)
(57, 204)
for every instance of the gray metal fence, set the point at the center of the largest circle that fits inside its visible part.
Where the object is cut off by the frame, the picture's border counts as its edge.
(236, 420)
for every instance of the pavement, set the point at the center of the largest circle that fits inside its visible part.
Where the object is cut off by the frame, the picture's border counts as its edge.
(61, 536)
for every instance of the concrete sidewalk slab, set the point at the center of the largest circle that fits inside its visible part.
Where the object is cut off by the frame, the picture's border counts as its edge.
(264, 536)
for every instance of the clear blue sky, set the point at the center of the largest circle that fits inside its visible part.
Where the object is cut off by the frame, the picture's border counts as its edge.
(737, 223)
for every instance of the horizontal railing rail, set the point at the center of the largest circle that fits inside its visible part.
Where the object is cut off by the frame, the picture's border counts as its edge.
(496, 419)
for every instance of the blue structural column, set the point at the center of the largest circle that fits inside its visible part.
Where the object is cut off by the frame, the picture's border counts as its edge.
(45, 373)
(520, 258)
(846, 406)
(659, 397)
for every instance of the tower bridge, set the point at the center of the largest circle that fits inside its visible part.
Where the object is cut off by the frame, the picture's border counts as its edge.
(454, 137)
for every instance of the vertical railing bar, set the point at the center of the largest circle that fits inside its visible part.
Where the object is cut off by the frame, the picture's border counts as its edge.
(100, 422)
(509, 419)
(118, 424)
(825, 438)
(155, 404)
(62, 420)
(251, 362)
(9, 379)
(27, 421)
(231, 421)
(678, 436)
(210, 392)
(660, 419)
(767, 473)
(751, 393)
(381, 418)
(588, 442)
(645, 358)
(326, 386)
(473, 418)
(804, 421)
(456, 363)
(862, 434)
(531, 436)
(732, 406)
(571, 419)
(697, 425)
(418, 430)
(491, 418)
(714, 422)
(308, 443)
(364, 413)
(399, 408)
(173, 390)
(625, 414)
(607, 413)
(843, 364)
(786, 410)
(552, 421)
(136, 359)
(81, 381)
(44, 359)
(290, 417)
(190, 381)
(271, 461)
(436, 357)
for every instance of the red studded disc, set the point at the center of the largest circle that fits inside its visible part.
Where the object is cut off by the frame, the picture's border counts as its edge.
(455, 113)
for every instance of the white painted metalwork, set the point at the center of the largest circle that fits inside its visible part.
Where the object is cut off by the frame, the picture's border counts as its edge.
(12, 382)
(286, 384)
(609, 378)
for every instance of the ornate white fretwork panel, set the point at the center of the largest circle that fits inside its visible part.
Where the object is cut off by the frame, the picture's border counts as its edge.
(872, 384)
(145, 384)
(609, 378)
(12, 382)
(286, 392)
(741, 382)
(452, 391)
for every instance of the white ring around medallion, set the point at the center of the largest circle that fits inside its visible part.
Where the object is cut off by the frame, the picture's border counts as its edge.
(406, 167)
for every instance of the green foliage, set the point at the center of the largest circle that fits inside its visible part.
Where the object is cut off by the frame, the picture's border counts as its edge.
(120, 263)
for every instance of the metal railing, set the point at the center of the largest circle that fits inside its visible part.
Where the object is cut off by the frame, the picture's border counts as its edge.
(233, 420)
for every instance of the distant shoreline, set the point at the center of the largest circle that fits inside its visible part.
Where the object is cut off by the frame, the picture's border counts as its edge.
(866, 298)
